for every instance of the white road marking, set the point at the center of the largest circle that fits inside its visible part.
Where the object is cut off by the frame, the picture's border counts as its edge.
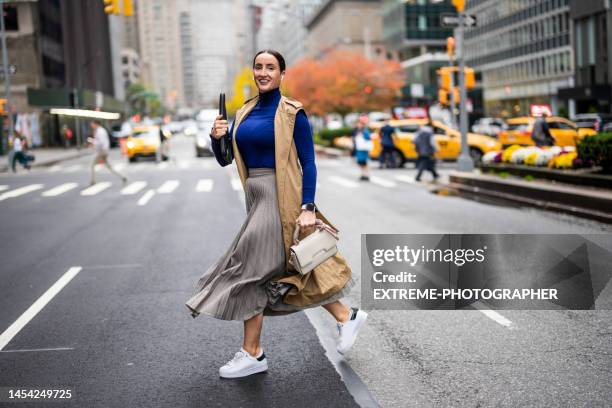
(61, 189)
(406, 179)
(236, 184)
(204, 185)
(382, 182)
(73, 168)
(168, 187)
(4, 187)
(146, 197)
(96, 188)
(37, 306)
(54, 168)
(37, 349)
(20, 191)
(344, 182)
(183, 165)
(207, 164)
(492, 314)
(118, 166)
(134, 187)
(162, 165)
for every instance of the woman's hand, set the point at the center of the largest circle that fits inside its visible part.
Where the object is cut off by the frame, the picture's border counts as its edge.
(306, 221)
(219, 128)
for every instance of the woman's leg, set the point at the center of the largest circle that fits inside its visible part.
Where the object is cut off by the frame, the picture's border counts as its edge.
(341, 312)
(252, 334)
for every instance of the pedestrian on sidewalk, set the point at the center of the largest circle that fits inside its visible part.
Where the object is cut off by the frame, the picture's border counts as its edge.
(18, 153)
(101, 144)
(426, 148)
(253, 278)
(363, 145)
(541, 132)
(387, 142)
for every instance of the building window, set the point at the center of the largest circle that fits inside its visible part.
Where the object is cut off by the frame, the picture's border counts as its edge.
(11, 22)
(591, 39)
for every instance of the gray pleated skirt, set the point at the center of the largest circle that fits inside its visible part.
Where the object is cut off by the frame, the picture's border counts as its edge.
(238, 285)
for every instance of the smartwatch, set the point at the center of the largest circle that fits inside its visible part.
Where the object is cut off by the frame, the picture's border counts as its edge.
(309, 207)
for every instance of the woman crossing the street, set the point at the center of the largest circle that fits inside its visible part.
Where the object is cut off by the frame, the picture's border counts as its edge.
(272, 145)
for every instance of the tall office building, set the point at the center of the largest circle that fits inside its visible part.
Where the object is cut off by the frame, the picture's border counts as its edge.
(214, 41)
(524, 51)
(160, 48)
(414, 36)
(592, 38)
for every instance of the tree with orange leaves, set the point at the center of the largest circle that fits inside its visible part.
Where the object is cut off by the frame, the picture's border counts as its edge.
(344, 82)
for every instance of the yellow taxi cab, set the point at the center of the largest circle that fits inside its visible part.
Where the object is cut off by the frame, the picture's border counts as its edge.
(447, 139)
(142, 142)
(565, 132)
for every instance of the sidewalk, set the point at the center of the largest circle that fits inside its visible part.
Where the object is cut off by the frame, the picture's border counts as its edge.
(47, 156)
(588, 202)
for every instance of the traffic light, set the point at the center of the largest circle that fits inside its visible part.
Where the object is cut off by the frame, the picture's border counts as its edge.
(445, 95)
(450, 47)
(111, 7)
(459, 5)
(470, 78)
(3, 107)
(128, 8)
(445, 77)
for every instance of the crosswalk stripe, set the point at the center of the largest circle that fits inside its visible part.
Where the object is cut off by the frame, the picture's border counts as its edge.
(54, 168)
(168, 187)
(4, 187)
(61, 189)
(20, 191)
(146, 197)
(134, 187)
(405, 179)
(162, 165)
(183, 165)
(73, 168)
(118, 166)
(236, 184)
(204, 185)
(96, 188)
(382, 182)
(207, 164)
(344, 182)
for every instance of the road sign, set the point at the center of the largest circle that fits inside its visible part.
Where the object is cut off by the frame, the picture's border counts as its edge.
(452, 20)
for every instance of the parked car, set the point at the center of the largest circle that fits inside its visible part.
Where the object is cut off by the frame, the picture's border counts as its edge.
(599, 122)
(447, 139)
(565, 132)
(489, 126)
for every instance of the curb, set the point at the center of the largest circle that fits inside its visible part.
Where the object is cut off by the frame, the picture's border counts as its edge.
(586, 203)
(4, 168)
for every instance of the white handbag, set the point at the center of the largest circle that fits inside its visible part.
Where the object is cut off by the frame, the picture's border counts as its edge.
(313, 250)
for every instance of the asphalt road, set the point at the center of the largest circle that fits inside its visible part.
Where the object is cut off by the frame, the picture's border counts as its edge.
(118, 332)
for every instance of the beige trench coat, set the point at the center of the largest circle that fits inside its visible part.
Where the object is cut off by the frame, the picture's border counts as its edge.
(332, 275)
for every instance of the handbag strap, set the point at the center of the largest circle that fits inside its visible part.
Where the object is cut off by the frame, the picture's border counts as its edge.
(319, 225)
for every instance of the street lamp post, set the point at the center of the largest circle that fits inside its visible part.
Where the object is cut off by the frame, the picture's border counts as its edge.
(464, 162)
(7, 76)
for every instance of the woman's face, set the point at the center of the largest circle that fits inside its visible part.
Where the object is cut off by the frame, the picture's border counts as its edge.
(266, 72)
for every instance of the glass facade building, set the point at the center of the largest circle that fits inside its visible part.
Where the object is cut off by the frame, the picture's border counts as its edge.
(523, 49)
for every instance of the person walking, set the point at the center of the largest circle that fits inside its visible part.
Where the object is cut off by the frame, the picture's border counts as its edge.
(273, 148)
(363, 145)
(101, 144)
(387, 135)
(541, 133)
(426, 147)
(18, 153)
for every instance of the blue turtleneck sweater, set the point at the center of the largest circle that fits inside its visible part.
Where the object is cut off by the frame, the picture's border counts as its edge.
(255, 140)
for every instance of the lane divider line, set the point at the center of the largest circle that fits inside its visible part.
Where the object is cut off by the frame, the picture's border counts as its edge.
(37, 306)
(37, 349)
(493, 315)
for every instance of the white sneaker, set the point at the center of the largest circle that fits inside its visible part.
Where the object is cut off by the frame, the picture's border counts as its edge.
(348, 330)
(243, 364)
